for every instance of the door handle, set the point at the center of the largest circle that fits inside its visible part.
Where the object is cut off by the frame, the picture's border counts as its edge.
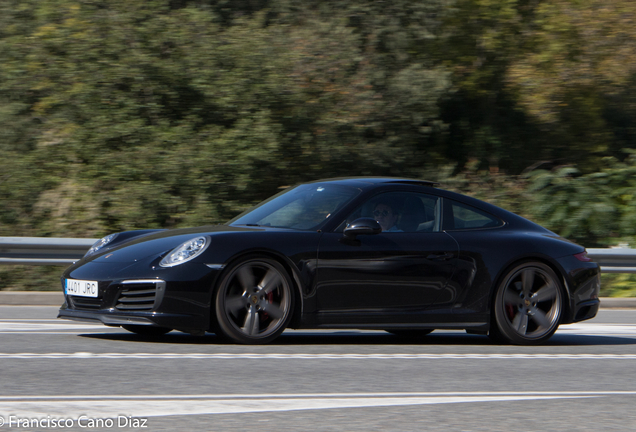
(441, 256)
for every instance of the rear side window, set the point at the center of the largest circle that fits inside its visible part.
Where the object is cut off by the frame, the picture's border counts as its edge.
(462, 217)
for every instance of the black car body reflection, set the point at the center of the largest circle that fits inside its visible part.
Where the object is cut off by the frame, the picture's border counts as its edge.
(314, 256)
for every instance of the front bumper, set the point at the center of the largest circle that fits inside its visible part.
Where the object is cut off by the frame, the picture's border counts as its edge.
(176, 298)
(115, 318)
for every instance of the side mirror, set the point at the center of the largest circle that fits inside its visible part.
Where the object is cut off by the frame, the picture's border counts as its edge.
(362, 226)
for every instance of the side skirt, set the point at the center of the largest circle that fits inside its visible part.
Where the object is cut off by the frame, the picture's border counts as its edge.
(477, 326)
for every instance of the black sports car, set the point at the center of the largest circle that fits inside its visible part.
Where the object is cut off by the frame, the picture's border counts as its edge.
(365, 253)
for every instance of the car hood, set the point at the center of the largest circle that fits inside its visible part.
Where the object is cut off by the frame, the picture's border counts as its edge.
(161, 242)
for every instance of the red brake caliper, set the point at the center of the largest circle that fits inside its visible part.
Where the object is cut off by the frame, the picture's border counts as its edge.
(270, 298)
(510, 311)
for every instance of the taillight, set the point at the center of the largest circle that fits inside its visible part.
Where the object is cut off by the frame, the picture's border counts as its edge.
(583, 257)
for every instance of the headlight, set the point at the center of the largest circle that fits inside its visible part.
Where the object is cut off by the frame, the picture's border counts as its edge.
(101, 243)
(185, 252)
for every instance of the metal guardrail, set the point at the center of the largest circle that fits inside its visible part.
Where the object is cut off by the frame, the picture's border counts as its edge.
(614, 260)
(43, 250)
(65, 251)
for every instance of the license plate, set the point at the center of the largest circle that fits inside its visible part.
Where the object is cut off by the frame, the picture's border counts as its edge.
(81, 288)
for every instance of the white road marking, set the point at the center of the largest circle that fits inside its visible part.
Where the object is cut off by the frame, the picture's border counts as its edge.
(310, 356)
(146, 397)
(598, 329)
(35, 326)
(170, 405)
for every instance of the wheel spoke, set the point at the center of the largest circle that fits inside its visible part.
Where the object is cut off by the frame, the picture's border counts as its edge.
(270, 281)
(515, 320)
(234, 304)
(273, 311)
(540, 318)
(520, 323)
(546, 292)
(255, 323)
(511, 297)
(246, 277)
(527, 280)
(251, 322)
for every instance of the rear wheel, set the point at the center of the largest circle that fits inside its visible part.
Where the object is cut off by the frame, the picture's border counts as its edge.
(254, 301)
(528, 305)
(147, 330)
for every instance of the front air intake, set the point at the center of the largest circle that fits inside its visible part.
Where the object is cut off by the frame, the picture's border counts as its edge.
(140, 295)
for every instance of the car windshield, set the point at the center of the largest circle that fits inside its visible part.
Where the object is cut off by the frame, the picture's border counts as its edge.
(304, 207)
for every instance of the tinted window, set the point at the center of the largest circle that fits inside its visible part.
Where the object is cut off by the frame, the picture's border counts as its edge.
(400, 212)
(467, 217)
(303, 207)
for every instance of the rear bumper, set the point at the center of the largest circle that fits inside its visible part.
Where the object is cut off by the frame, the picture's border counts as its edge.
(583, 285)
(586, 310)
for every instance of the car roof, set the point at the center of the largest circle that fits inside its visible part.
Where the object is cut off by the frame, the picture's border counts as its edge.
(366, 181)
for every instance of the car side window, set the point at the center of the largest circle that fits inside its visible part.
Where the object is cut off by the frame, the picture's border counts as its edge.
(401, 212)
(466, 217)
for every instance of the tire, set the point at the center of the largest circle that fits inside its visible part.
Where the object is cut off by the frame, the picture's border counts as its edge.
(254, 301)
(528, 305)
(147, 330)
(410, 333)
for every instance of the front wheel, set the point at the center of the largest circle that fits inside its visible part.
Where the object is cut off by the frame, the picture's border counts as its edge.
(254, 301)
(528, 305)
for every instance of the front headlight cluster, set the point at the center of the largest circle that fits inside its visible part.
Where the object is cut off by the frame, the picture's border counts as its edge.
(101, 243)
(185, 252)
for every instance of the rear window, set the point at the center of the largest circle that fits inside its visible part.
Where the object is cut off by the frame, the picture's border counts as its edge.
(464, 217)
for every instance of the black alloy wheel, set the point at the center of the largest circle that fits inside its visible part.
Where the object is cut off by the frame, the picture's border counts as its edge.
(254, 301)
(528, 305)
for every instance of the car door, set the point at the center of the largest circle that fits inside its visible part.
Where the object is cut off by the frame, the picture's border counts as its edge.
(391, 277)
(478, 235)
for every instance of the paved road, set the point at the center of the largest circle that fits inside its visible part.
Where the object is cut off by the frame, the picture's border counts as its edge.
(88, 375)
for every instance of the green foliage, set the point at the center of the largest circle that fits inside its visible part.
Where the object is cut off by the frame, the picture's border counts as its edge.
(164, 115)
(575, 76)
(169, 113)
(30, 278)
(618, 285)
(596, 209)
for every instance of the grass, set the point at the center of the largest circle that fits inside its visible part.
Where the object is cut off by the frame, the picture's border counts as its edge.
(30, 278)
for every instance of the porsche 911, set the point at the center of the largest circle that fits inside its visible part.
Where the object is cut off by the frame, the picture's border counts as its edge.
(398, 255)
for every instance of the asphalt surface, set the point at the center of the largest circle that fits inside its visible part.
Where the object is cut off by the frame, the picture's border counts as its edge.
(89, 375)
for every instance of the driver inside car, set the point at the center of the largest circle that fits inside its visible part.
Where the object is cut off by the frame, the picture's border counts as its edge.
(386, 216)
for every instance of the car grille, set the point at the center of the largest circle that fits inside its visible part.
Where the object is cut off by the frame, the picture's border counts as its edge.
(139, 295)
(85, 302)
